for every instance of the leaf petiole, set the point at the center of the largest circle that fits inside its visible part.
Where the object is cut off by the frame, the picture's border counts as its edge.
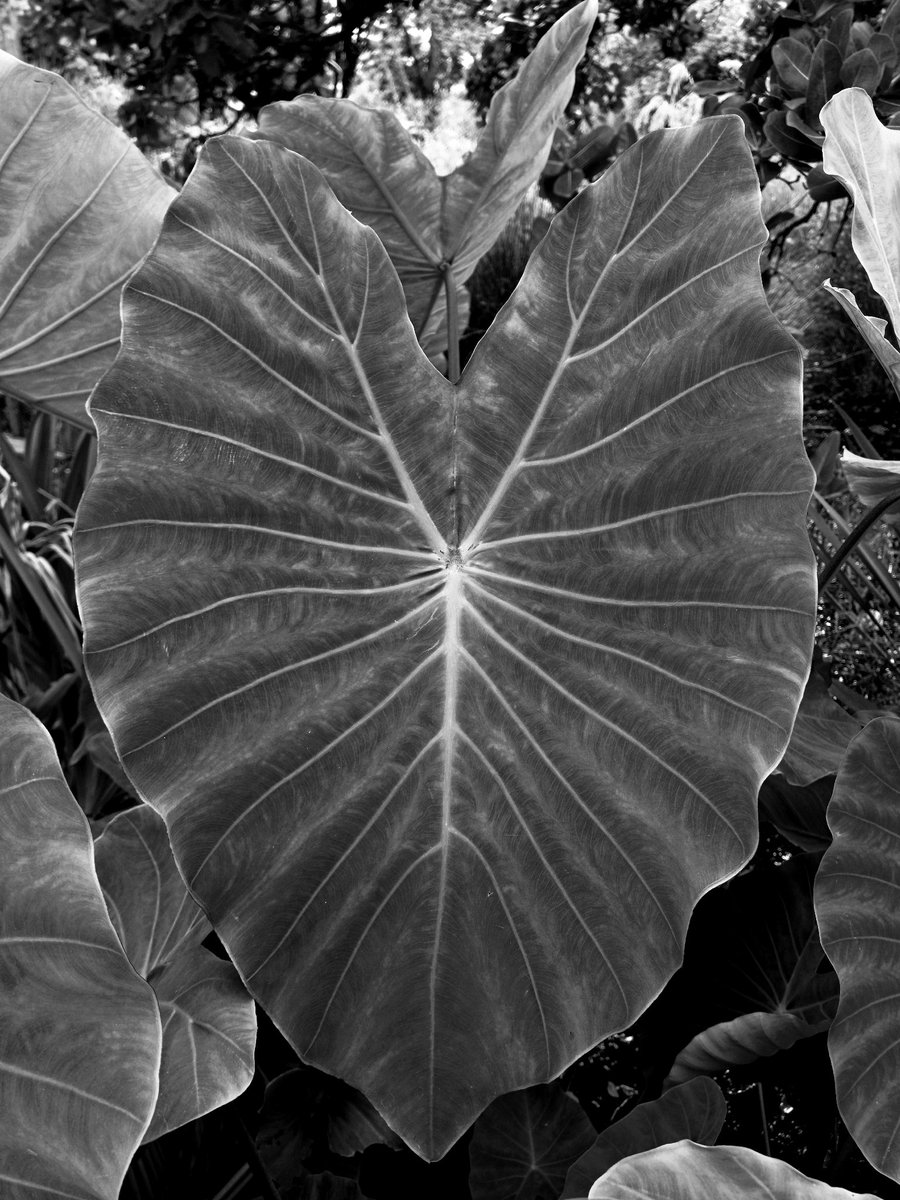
(453, 368)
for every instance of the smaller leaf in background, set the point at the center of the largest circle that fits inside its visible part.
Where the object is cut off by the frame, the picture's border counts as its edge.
(824, 78)
(209, 1020)
(820, 736)
(792, 60)
(695, 1110)
(377, 171)
(856, 904)
(865, 156)
(872, 480)
(79, 208)
(79, 1030)
(685, 1171)
(525, 1142)
(307, 1114)
(863, 70)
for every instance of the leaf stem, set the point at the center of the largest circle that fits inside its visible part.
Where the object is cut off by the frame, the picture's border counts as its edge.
(853, 537)
(765, 1123)
(453, 369)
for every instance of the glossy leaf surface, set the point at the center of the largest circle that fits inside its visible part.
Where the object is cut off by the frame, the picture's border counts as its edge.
(454, 699)
(524, 1144)
(856, 903)
(694, 1110)
(79, 1029)
(379, 173)
(208, 1020)
(865, 156)
(79, 208)
(684, 1171)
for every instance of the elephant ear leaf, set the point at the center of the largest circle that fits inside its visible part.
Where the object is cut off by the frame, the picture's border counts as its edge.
(452, 697)
(79, 208)
(426, 222)
(209, 1021)
(685, 1171)
(79, 1029)
(856, 905)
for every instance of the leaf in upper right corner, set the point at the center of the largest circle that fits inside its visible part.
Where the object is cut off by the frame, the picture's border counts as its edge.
(208, 1018)
(694, 1110)
(865, 156)
(378, 172)
(859, 917)
(685, 1171)
(79, 208)
(525, 1142)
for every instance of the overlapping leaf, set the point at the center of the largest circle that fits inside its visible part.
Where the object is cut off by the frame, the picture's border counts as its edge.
(684, 1171)
(379, 173)
(79, 208)
(856, 903)
(694, 1110)
(524, 1144)
(79, 1030)
(819, 739)
(208, 1020)
(453, 699)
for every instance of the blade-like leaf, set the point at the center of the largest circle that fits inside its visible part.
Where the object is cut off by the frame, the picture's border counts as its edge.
(856, 904)
(209, 1022)
(424, 221)
(79, 1029)
(524, 1144)
(684, 1171)
(872, 330)
(454, 699)
(743, 1040)
(695, 1110)
(79, 208)
(865, 156)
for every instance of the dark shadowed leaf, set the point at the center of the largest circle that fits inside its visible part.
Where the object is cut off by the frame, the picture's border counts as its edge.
(685, 1171)
(209, 1022)
(862, 70)
(743, 1040)
(788, 141)
(524, 1144)
(865, 156)
(856, 903)
(824, 79)
(694, 1110)
(79, 1030)
(378, 172)
(307, 1113)
(79, 208)
(454, 699)
(798, 813)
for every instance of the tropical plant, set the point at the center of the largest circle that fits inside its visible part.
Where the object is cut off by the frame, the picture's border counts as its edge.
(447, 699)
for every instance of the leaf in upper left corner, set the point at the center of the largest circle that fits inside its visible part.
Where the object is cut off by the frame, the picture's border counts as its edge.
(209, 1021)
(79, 208)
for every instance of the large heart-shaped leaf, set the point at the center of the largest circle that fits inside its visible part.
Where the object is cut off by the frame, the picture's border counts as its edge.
(208, 1020)
(865, 156)
(79, 208)
(684, 1171)
(856, 903)
(454, 699)
(525, 1143)
(79, 1029)
(694, 1110)
(426, 221)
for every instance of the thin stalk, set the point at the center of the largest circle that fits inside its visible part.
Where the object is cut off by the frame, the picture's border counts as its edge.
(765, 1123)
(453, 369)
(853, 537)
(256, 1164)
